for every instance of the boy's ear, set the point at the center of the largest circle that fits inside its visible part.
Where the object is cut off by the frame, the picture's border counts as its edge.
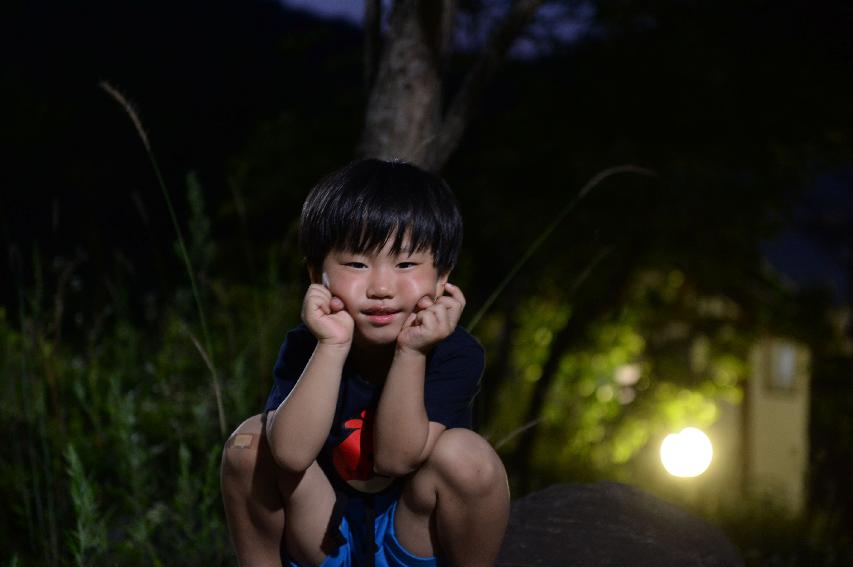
(314, 275)
(439, 285)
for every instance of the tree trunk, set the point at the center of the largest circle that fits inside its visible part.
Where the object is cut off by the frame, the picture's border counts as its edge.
(404, 106)
(406, 116)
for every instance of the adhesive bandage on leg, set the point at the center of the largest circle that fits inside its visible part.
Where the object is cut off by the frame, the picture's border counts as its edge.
(242, 441)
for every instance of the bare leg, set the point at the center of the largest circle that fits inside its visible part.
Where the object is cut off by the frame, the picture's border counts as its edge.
(457, 503)
(258, 496)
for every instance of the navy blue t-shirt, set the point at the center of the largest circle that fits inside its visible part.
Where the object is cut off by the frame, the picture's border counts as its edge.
(453, 372)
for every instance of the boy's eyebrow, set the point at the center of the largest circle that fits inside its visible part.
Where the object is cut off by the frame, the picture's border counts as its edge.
(409, 251)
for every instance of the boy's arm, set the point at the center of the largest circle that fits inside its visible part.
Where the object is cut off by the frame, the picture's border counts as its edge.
(404, 437)
(298, 428)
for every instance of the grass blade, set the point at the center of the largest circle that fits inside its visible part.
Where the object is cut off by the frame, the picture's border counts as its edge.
(137, 123)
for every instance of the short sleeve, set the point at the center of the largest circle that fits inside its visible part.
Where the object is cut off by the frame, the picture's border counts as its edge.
(453, 380)
(292, 357)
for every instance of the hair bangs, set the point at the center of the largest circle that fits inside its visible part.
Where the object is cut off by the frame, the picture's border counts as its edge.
(402, 223)
(370, 203)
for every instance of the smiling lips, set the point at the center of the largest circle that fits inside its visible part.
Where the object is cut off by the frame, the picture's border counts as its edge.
(381, 315)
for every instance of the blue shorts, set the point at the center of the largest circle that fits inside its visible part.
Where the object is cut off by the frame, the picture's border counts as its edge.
(353, 528)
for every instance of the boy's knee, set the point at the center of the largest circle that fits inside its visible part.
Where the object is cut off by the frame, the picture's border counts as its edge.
(467, 462)
(240, 454)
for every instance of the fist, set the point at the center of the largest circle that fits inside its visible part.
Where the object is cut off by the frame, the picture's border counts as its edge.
(432, 321)
(325, 317)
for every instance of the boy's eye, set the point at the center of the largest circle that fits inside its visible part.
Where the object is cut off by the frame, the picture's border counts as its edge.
(358, 265)
(407, 264)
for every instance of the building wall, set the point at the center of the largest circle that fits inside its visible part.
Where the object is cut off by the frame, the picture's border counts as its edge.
(776, 419)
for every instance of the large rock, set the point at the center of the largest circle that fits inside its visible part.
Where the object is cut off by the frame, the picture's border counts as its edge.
(609, 524)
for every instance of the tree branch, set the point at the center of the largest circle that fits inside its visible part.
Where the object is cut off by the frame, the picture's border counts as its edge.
(474, 84)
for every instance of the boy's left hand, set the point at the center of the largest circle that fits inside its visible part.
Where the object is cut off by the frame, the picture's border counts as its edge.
(432, 321)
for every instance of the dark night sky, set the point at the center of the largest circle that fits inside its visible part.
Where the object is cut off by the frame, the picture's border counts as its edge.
(812, 256)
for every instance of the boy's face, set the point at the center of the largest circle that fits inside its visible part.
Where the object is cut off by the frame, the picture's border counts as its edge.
(380, 290)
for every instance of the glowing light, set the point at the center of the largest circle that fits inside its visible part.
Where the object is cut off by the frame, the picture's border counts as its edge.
(627, 374)
(686, 454)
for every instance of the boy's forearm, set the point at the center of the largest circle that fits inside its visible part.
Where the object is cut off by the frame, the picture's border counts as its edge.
(402, 425)
(298, 428)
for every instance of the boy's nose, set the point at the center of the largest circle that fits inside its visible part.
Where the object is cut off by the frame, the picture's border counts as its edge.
(381, 291)
(380, 287)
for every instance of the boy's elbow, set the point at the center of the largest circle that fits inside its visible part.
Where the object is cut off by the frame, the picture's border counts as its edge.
(291, 463)
(395, 466)
(286, 458)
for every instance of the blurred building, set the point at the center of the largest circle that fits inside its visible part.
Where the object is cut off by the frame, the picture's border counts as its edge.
(762, 445)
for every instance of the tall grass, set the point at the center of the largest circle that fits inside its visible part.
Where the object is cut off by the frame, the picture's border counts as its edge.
(116, 438)
(143, 136)
(88, 538)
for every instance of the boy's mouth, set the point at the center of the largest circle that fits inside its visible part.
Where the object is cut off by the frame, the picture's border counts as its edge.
(381, 315)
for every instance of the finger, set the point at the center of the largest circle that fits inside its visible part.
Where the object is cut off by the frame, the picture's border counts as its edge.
(324, 307)
(315, 301)
(318, 298)
(455, 292)
(448, 302)
(424, 303)
(316, 290)
(410, 320)
(429, 318)
(442, 316)
(336, 304)
(453, 310)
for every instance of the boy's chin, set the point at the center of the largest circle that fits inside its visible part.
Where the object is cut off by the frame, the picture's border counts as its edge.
(378, 336)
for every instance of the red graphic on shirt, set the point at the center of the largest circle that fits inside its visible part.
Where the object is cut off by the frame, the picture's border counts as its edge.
(353, 457)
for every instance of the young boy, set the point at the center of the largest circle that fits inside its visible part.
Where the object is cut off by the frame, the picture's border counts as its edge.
(364, 454)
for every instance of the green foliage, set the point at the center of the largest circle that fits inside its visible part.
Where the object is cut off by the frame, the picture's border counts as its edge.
(116, 442)
(201, 248)
(88, 539)
(664, 361)
(539, 318)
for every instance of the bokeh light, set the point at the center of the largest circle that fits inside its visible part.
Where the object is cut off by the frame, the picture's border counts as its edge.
(687, 453)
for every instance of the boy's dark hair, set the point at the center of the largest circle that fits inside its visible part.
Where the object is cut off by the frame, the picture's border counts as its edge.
(358, 208)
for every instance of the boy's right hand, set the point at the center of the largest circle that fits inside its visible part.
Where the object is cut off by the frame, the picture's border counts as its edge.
(326, 318)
